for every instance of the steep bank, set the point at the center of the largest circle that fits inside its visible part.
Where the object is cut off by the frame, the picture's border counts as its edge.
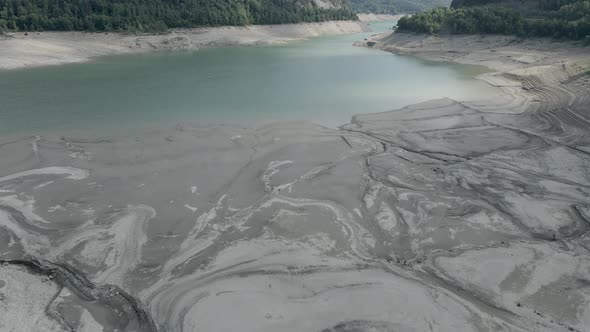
(20, 50)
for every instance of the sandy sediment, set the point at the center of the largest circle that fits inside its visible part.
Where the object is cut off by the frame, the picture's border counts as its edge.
(513, 170)
(19, 50)
(369, 17)
(24, 299)
(443, 215)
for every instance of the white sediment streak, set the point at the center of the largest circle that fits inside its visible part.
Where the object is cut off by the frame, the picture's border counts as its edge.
(35, 145)
(353, 231)
(44, 184)
(128, 238)
(73, 173)
(192, 208)
(32, 243)
(26, 207)
(272, 169)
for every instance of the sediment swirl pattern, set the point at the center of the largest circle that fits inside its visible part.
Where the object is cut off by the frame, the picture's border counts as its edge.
(443, 216)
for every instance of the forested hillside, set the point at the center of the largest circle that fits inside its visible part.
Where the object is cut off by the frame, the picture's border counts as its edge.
(159, 15)
(526, 5)
(396, 6)
(547, 18)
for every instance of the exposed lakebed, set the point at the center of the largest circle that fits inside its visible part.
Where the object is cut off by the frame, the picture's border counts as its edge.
(445, 215)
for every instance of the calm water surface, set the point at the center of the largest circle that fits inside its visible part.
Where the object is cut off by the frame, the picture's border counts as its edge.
(325, 80)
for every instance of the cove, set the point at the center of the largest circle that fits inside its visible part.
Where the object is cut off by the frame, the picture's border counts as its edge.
(325, 80)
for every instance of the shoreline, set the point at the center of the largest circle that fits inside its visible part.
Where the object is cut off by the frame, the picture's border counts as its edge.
(511, 56)
(35, 49)
(530, 73)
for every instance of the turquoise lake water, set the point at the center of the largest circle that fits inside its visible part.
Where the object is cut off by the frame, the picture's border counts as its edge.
(325, 80)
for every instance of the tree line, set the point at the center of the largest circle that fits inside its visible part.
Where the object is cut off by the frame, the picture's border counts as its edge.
(525, 5)
(157, 15)
(570, 20)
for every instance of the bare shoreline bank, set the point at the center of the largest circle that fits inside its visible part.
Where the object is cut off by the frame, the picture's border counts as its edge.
(502, 53)
(25, 50)
(519, 66)
(369, 17)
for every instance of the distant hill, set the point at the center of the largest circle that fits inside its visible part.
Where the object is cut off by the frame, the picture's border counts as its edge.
(546, 18)
(159, 15)
(396, 6)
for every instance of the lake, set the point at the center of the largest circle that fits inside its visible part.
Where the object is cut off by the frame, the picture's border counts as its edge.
(325, 80)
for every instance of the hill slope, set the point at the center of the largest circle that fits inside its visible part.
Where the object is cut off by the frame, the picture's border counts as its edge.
(525, 5)
(158, 15)
(549, 18)
(396, 6)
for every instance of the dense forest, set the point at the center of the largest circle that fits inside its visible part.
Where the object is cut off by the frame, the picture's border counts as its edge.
(545, 18)
(396, 6)
(158, 15)
(526, 5)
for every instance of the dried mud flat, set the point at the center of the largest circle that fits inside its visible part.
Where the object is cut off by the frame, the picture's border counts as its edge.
(443, 216)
